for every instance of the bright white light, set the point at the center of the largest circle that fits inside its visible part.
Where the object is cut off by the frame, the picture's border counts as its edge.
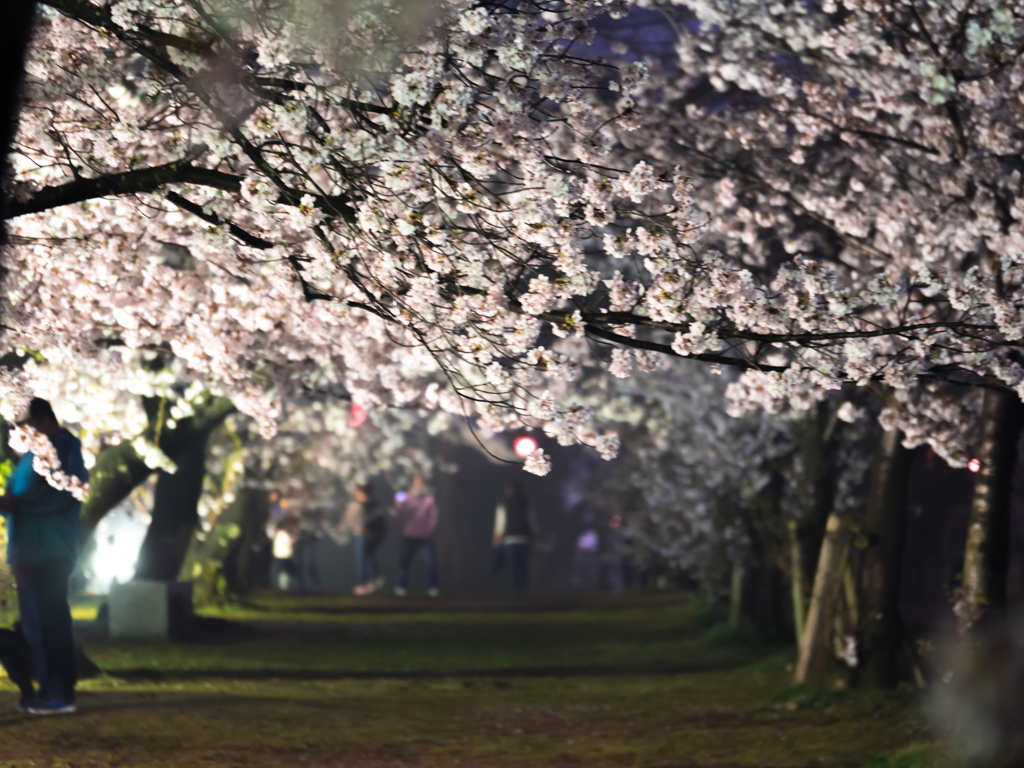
(119, 538)
(524, 446)
(974, 465)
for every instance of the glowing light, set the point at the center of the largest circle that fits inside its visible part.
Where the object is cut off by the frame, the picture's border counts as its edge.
(589, 541)
(615, 522)
(524, 446)
(119, 537)
(401, 496)
(358, 415)
(974, 465)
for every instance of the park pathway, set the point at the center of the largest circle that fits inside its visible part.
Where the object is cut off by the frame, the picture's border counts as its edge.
(326, 680)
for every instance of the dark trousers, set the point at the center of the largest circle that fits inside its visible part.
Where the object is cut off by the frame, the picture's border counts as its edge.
(409, 549)
(370, 543)
(46, 623)
(517, 556)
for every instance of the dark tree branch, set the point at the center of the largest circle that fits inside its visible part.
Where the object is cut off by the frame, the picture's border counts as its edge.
(151, 179)
(236, 231)
(127, 183)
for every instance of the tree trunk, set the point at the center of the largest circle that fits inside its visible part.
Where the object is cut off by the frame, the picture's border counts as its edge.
(987, 555)
(880, 629)
(817, 486)
(175, 514)
(119, 470)
(15, 33)
(239, 568)
(816, 650)
(797, 582)
(736, 597)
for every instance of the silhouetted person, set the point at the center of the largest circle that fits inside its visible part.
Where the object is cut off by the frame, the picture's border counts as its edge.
(513, 533)
(417, 512)
(42, 546)
(368, 525)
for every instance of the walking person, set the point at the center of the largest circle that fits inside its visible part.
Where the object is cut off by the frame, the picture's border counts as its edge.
(417, 512)
(513, 533)
(42, 546)
(368, 524)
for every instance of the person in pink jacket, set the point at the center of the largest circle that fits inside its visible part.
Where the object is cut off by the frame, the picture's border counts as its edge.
(417, 513)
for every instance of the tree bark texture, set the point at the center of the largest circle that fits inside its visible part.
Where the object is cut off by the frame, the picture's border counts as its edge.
(119, 469)
(817, 486)
(241, 564)
(736, 597)
(175, 514)
(987, 554)
(15, 33)
(816, 652)
(797, 583)
(879, 632)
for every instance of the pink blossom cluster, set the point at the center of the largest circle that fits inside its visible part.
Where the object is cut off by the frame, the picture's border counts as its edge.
(24, 439)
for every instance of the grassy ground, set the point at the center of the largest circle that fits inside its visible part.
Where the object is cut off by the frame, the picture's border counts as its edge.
(335, 682)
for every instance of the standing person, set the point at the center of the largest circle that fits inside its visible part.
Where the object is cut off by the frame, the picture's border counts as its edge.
(283, 533)
(368, 524)
(42, 546)
(513, 533)
(417, 512)
(306, 549)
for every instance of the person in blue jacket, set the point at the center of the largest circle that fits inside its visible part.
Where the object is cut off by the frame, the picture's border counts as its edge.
(42, 546)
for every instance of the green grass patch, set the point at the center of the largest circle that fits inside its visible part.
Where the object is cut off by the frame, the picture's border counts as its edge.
(914, 756)
(616, 682)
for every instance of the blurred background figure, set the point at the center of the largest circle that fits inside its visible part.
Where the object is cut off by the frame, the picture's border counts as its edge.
(513, 534)
(311, 530)
(283, 531)
(417, 512)
(375, 527)
(364, 526)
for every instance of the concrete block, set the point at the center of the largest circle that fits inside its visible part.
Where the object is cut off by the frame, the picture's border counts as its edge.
(158, 610)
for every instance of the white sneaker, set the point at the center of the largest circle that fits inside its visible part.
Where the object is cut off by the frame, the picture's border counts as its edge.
(433, 592)
(52, 708)
(400, 591)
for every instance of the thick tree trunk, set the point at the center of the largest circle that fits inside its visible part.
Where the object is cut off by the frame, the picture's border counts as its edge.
(880, 629)
(239, 565)
(817, 485)
(986, 557)
(119, 470)
(816, 652)
(175, 514)
(15, 33)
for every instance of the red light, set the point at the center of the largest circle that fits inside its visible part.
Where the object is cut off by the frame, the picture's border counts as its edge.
(615, 522)
(974, 465)
(358, 415)
(524, 446)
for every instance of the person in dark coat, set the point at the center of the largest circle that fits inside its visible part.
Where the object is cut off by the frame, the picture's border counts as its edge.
(42, 546)
(513, 534)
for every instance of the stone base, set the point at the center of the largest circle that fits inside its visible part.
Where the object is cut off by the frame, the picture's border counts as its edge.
(158, 610)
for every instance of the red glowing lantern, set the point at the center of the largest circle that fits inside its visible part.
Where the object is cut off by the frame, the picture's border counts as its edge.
(974, 465)
(615, 522)
(524, 446)
(358, 415)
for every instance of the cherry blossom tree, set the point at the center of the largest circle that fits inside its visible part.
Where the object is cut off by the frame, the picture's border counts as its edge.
(864, 158)
(379, 212)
